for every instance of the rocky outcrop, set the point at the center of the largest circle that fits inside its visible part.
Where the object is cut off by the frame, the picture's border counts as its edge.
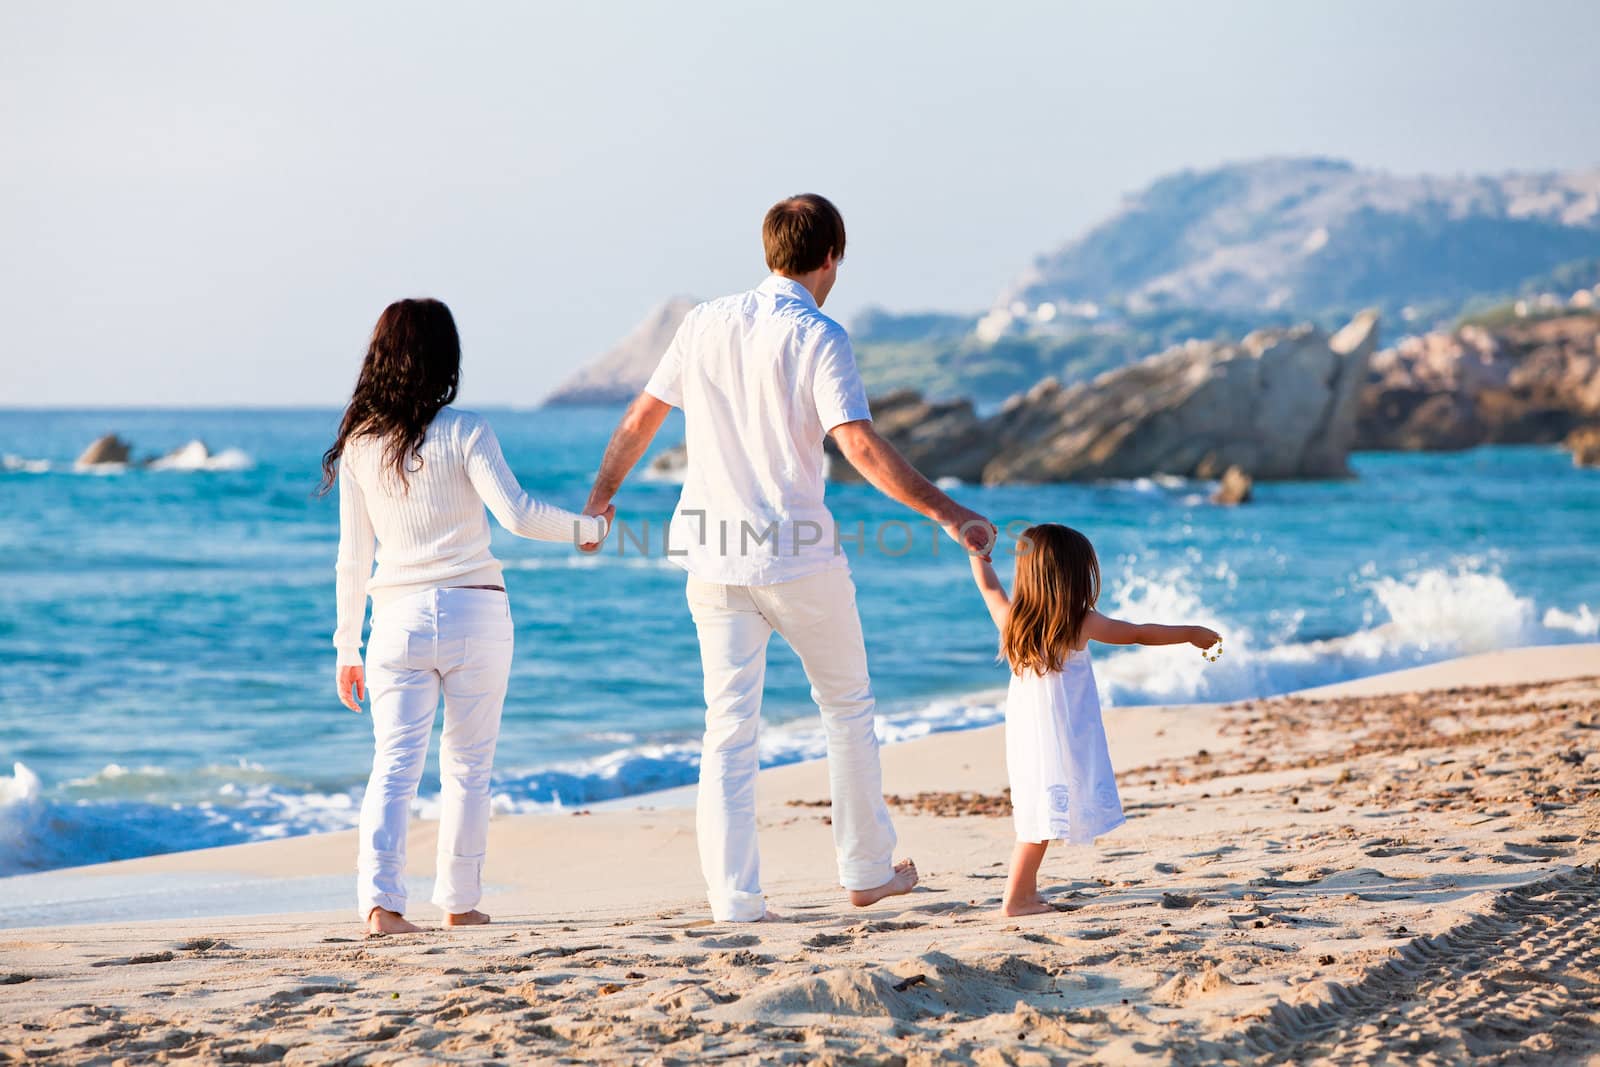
(1584, 444)
(617, 376)
(942, 439)
(107, 449)
(1236, 488)
(1530, 382)
(1279, 404)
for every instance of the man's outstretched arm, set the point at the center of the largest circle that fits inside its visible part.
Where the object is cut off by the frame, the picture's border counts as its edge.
(881, 464)
(628, 442)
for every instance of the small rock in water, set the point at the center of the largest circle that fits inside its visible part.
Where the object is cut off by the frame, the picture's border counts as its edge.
(107, 449)
(1584, 444)
(191, 456)
(1235, 488)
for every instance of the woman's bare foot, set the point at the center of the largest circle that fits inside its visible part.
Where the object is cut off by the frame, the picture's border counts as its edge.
(383, 921)
(1035, 906)
(466, 918)
(904, 881)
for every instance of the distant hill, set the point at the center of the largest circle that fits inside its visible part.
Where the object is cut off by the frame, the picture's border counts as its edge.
(1214, 254)
(1211, 255)
(1317, 235)
(617, 375)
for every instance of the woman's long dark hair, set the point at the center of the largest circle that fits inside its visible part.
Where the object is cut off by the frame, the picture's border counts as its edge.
(412, 369)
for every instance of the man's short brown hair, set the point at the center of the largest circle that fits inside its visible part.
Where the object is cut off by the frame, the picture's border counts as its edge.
(799, 232)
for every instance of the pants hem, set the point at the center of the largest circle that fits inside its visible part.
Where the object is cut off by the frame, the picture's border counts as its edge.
(858, 878)
(386, 901)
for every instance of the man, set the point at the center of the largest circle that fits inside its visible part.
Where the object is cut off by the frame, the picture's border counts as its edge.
(762, 377)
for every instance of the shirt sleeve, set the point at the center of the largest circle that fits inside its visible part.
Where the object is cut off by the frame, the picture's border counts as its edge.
(354, 568)
(666, 384)
(515, 509)
(836, 386)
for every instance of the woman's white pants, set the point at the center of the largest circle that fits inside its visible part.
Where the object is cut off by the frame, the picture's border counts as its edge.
(817, 616)
(455, 642)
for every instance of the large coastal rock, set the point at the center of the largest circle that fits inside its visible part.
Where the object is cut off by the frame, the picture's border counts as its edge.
(1279, 404)
(617, 376)
(942, 439)
(1530, 382)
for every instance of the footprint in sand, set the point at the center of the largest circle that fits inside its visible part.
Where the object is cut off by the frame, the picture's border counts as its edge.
(15, 979)
(1541, 851)
(735, 941)
(943, 907)
(883, 926)
(134, 961)
(827, 940)
(203, 944)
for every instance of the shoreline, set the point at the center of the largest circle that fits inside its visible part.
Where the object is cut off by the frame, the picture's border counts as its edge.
(1395, 867)
(246, 879)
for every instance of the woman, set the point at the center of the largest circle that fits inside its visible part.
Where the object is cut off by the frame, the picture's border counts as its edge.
(416, 474)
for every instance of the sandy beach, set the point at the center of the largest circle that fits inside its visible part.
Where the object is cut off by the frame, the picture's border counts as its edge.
(1400, 869)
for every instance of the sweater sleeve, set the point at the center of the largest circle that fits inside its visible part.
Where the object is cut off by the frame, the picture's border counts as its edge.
(353, 570)
(511, 507)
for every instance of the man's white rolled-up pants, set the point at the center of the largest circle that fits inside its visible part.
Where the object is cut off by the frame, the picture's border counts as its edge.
(817, 616)
(454, 642)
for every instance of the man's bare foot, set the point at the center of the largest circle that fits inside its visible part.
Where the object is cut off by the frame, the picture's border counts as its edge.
(466, 918)
(1012, 909)
(904, 881)
(383, 921)
(770, 916)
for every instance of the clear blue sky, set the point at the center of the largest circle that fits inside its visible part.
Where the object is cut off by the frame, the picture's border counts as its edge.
(209, 203)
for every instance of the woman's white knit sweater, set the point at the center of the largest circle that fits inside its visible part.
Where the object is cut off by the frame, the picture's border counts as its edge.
(431, 530)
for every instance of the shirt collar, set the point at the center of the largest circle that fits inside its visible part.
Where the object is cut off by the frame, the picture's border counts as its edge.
(777, 283)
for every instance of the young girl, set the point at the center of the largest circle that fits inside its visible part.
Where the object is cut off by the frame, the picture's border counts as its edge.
(415, 474)
(1062, 787)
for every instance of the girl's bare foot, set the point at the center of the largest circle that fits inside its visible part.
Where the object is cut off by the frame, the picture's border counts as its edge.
(466, 918)
(383, 921)
(904, 881)
(1025, 907)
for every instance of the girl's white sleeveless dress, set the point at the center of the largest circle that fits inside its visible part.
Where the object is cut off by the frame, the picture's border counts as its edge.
(1062, 787)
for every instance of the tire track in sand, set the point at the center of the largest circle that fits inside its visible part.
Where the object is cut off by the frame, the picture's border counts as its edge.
(1517, 984)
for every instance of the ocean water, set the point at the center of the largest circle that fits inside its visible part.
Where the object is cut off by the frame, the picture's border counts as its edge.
(167, 676)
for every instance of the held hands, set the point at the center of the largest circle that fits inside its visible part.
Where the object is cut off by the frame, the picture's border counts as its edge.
(352, 676)
(971, 531)
(609, 514)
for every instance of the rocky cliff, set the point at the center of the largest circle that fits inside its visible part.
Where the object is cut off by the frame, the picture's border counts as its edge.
(1527, 382)
(617, 376)
(1279, 404)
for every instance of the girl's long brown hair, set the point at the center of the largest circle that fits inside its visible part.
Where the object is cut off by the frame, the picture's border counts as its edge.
(412, 369)
(1057, 584)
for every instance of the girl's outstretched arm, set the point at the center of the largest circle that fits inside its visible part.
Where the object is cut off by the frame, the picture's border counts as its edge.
(1109, 631)
(994, 594)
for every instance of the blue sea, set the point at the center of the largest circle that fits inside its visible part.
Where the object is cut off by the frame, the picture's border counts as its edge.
(166, 677)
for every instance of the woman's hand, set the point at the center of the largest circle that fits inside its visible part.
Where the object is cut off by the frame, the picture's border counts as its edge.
(609, 514)
(352, 677)
(1202, 637)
